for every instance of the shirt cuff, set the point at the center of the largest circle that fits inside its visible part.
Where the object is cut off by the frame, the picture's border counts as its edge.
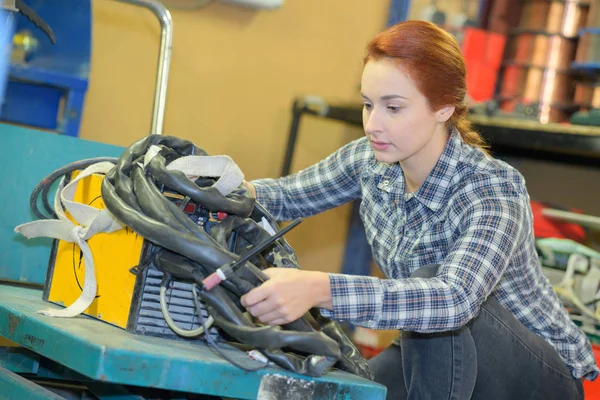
(264, 193)
(357, 299)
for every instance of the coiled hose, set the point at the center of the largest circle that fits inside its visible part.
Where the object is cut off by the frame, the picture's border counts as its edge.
(133, 195)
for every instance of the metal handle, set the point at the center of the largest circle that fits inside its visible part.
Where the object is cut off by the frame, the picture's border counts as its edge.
(164, 60)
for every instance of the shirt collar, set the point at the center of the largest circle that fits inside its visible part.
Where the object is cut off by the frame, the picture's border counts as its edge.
(433, 191)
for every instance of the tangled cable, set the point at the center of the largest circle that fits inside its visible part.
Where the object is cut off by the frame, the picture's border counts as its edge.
(133, 192)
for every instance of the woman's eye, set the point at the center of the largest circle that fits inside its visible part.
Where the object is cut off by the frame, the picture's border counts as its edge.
(367, 106)
(394, 109)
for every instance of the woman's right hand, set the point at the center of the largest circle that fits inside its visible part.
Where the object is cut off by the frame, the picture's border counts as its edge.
(250, 188)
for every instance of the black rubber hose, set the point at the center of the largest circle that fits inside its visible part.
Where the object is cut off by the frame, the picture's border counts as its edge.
(209, 197)
(132, 199)
(152, 202)
(206, 253)
(46, 183)
(269, 338)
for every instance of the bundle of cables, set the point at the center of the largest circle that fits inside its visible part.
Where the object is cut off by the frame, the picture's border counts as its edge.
(219, 269)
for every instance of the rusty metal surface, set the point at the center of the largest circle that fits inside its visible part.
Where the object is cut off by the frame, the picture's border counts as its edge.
(559, 17)
(108, 354)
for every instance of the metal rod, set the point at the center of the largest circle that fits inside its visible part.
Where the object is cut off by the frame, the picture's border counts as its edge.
(264, 244)
(164, 60)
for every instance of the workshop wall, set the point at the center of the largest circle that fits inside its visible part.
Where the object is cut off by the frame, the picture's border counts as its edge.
(233, 77)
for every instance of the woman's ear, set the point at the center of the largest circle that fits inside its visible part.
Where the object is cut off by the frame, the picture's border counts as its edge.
(444, 113)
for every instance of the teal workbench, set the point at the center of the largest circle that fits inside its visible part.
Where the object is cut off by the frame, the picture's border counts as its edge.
(103, 353)
(108, 361)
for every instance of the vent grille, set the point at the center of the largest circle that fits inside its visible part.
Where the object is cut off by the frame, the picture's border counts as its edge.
(180, 303)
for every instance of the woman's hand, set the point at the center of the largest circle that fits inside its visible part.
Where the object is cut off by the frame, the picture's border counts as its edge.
(288, 295)
(250, 188)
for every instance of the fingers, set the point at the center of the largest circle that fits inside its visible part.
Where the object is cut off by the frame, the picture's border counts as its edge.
(273, 272)
(255, 296)
(270, 317)
(263, 308)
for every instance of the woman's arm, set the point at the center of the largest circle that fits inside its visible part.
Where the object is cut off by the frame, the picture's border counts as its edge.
(330, 183)
(494, 224)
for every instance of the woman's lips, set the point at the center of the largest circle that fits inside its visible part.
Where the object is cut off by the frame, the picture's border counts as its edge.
(379, 145)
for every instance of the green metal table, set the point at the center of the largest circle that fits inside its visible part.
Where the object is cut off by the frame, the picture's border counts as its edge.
(82, 348)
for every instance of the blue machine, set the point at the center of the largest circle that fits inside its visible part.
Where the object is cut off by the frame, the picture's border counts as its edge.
(47, 82)
(6, 32)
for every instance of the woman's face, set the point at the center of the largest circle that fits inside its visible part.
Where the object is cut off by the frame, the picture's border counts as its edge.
(396, 116)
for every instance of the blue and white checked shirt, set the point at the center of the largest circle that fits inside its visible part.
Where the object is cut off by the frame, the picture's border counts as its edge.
(471, 215)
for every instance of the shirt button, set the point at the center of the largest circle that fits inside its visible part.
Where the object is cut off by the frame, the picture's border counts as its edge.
(386, 183)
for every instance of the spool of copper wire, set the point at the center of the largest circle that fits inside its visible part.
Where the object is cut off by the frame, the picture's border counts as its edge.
(588, 49)
(532, 84)
(554, 16)
(541, 49)
(593, 19)
(587, 95)
(550, 91)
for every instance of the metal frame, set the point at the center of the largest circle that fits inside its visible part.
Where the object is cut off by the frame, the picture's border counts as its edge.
(164, 59)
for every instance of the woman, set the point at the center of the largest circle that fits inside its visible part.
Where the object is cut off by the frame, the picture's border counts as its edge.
(450, 227)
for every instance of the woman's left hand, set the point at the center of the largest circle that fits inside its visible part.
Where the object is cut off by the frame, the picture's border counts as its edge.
(287, 295)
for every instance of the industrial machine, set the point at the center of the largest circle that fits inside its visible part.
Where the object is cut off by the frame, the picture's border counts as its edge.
(49, 65)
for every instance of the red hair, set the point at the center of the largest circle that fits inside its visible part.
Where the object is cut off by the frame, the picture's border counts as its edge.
(433, 59)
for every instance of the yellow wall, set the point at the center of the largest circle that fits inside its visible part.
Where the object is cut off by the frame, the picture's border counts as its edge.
(233, 77)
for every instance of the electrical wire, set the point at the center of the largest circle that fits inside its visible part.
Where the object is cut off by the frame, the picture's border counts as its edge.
(187, 333)
(133, 194)
(211, 340)
(45, 184)
(566, 287)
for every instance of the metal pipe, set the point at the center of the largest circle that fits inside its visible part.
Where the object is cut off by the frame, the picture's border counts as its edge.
(164, 60)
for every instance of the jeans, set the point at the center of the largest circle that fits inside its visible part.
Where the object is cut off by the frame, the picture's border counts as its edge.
(493, 357)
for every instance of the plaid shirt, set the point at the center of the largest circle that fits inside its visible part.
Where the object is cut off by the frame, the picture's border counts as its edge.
(471, 215)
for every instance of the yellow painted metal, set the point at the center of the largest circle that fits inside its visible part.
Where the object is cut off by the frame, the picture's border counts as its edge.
(4, 342)
(114, 255)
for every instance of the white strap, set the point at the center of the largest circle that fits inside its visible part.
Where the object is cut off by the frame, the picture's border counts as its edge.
(65, 230)
(230, 175)
(90, 221)
(82, 213)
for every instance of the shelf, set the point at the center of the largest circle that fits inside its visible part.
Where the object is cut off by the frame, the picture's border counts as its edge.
(557, 142)
(573, 144)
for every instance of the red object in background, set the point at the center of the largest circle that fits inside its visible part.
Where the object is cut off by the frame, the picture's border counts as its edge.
(591, 389)
(544, 227)
(483, 52)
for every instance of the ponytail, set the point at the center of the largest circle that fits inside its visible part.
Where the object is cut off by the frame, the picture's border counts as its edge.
(468, 134)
